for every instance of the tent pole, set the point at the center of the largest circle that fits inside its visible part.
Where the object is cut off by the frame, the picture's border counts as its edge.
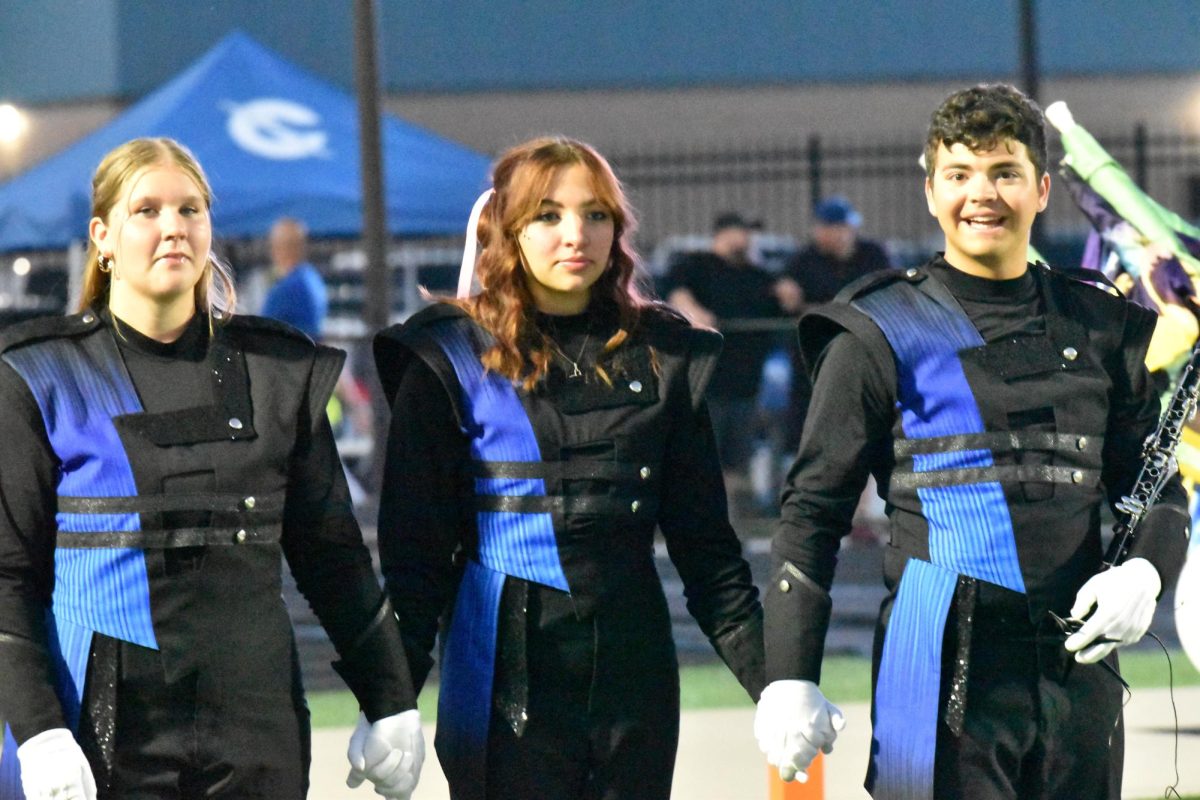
(75, 258)
(377, 302)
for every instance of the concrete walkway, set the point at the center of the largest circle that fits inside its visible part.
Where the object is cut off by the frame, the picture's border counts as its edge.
(718, 759)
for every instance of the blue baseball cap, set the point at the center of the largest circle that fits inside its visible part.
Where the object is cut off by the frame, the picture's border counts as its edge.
(836, 210)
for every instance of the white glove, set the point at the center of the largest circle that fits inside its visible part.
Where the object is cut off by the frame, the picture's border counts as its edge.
(389, 753)
(53, 766)
(1124, 599)
(792, 723)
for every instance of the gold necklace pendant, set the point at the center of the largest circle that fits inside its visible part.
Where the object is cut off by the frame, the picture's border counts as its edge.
(576, 372)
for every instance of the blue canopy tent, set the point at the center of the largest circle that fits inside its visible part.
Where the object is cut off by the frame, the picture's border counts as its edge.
(274, 141)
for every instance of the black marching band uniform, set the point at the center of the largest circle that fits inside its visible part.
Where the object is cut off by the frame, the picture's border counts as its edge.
(996, 417)
(539, 508)
(149, 491)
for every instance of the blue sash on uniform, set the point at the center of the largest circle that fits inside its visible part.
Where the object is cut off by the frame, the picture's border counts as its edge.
(519, 544)
(79, 386)
(970, 532)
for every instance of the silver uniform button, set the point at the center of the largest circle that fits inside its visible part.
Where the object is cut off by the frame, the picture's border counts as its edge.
(784, 586)
(241, 536)
(1070, 354)
(88, 319)
(644, 472)
(635, 505)
(235, 423)
(1082, 443)
(911, 272)
(635, 386)
(1077, 476)
(249, 502)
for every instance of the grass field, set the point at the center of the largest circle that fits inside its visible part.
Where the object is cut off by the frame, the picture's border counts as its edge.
(845, 679)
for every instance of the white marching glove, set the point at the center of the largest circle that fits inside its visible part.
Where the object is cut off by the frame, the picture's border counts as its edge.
(53, 766)
(793, 722)
(389, 753)
(1124, 599)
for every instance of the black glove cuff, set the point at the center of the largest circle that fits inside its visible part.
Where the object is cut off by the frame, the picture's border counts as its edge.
(375, 668)
(1162, 539)
(28, 702)
(742, 651)
(796, 619)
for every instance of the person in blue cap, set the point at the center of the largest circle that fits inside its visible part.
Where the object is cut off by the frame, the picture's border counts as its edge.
(835, 256)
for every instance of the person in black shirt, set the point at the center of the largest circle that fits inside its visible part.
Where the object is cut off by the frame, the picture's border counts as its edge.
(721, 289)
(162, 454)
(998, 405)
(834, 257)
(542, 429)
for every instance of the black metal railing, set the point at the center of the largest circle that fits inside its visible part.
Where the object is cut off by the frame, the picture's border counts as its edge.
(679, 191)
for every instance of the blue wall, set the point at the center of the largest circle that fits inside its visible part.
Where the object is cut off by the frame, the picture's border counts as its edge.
(315, 34)
(57, 50)
(62, 50)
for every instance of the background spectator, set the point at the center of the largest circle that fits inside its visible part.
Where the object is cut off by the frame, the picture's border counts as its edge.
(298, 296)
(835, 254)
(834, 257)
(722, 289)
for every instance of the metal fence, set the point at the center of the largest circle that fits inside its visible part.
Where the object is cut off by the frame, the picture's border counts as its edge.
(680, 191)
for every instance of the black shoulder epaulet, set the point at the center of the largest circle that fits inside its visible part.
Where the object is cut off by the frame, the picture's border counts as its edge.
(667, 329)
(257, 324)
(659, 313)
(395, 345)
(50, 327)
(820, 325)
(877, 280)
(1091, 277)
(430, 314)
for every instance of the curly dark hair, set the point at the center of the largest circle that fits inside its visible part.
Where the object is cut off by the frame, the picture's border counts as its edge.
(982, 116)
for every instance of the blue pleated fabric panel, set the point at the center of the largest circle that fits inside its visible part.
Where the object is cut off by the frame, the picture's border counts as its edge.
(10, 769)
(970, 532)
(522, 545)
(79, 387)
(467, 671)
(909, 683)
(516, 544)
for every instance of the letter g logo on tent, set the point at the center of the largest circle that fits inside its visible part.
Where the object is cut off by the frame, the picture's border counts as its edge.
(275, 128)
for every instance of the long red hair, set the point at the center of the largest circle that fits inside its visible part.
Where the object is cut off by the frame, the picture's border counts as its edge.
(505, 307)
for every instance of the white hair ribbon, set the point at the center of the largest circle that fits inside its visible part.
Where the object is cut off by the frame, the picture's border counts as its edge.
(466, 273)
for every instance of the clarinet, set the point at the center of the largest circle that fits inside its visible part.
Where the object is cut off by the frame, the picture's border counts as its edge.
(1158, 461)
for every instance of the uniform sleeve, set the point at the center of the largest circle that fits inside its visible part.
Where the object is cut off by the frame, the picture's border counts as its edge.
(1162, 536)
(694, 519)
(421, 519)
(332, 566)
(847, 430)
(28, 473)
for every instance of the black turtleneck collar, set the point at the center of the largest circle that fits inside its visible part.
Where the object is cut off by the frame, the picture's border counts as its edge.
(192, 344)
(598, 317)
(984, 290)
